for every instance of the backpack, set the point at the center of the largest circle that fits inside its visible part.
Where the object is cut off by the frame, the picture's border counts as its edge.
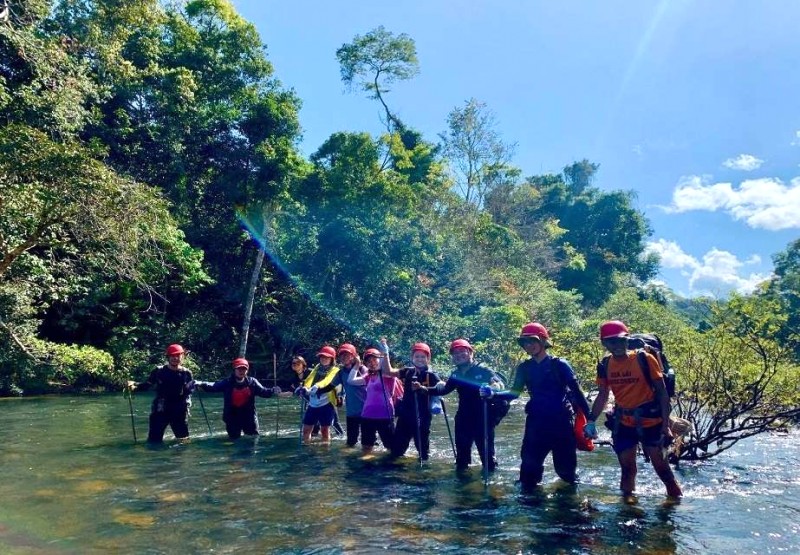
(651, 343)
(582, 443)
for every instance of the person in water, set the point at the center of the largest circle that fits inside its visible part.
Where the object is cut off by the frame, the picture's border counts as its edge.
(414, 409)
(553, 387)
(239, 399)
(641, 412)
(319, 389)
(354, 395)
(173, 385)
(467, 379)
(382, 391)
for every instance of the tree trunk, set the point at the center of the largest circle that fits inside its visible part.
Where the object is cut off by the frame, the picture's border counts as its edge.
(251, 292)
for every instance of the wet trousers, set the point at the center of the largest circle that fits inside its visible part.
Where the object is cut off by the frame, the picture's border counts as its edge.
(353, 424)
(238, 422)
(406, 430)
(372, 427)
(175, 415)
(544, 435)
(469, 431)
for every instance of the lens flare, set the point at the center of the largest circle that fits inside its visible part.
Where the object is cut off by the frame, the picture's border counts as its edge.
(272, 252)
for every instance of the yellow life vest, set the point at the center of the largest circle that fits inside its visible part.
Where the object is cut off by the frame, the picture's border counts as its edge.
(324, 382)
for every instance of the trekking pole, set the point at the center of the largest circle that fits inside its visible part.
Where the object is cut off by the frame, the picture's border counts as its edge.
(205, 415)
(390, 413)
(302, 414)
(130, 405)
(275, 384)
(485, 442)
(419, 431)
(447, 423)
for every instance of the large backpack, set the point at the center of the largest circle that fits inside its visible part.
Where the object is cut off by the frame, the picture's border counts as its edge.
(651, 343)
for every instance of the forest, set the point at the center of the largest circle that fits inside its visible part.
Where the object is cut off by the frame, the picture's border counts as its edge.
(152, 191)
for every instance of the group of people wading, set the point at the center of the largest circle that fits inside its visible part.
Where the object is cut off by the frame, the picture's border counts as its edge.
(397, 404)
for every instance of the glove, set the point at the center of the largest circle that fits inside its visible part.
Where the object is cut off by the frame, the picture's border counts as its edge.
(383, 347)
(486, 392)
(301, 391)
(314, 390)
(436, 404)
(276, 390)
(590, 430)
(190, 386)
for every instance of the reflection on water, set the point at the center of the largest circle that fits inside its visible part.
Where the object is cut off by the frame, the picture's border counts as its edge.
(74, 482)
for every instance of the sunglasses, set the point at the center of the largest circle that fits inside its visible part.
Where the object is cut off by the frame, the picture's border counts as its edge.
(522, 341)
(616, 340)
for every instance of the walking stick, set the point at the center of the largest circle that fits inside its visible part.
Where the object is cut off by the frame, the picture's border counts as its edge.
(485, 442)
(419, 432)
(275, 384)
(449, 433)
(130, 405)
(202, 406)
(389, 412)
(302, 414)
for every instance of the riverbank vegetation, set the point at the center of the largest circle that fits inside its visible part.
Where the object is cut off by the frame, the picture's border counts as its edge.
(152, 191)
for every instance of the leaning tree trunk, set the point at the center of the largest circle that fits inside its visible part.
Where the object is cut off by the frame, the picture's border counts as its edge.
(251, 292)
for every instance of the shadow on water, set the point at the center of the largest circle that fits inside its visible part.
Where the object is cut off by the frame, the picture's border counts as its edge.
(76, 483)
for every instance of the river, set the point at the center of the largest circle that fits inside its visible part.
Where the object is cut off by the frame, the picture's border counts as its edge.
(74, 481)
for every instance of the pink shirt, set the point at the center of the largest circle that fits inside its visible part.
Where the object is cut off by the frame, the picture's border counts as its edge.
(376, 405)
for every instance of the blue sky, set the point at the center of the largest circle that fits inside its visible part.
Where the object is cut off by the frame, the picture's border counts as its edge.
(691, 104)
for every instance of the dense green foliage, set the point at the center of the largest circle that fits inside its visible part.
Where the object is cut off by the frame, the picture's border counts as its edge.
(148, 161)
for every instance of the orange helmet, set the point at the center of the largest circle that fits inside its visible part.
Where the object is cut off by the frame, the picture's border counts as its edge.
(371, 352)
(327, 351)
(175, 349)
(613, 328)
(537, 331)
(461, 343)
(347, 348)
(422, 347)
(241, 362)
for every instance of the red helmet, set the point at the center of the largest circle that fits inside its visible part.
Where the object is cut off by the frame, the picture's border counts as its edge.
(371, 352)
(613, 328)
(175, 349)
(423, 347)
(461, 343)
(537, 330)
(347, 348)
(327, 351)
(241, 362)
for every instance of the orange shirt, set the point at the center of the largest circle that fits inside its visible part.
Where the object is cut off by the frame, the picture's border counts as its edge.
(629, 386)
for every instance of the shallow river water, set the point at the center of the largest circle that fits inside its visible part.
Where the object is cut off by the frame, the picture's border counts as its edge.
(75, 482)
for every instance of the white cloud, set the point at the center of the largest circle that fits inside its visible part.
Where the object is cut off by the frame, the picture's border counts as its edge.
(671, 254)
(717, 274)
(744, 162)
(765, 203)
(796, 140)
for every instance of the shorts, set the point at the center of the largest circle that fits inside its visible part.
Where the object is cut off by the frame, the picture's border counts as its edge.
(627, 437)
(319, 415)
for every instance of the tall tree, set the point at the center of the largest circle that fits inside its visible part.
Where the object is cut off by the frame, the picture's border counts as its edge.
(579, 176)
(375, 60)
(476, 152)
(69, 223)
(784, 288)
(194, 109)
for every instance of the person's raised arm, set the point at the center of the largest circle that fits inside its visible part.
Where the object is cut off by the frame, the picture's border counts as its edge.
(386, 364)
(355, 378)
